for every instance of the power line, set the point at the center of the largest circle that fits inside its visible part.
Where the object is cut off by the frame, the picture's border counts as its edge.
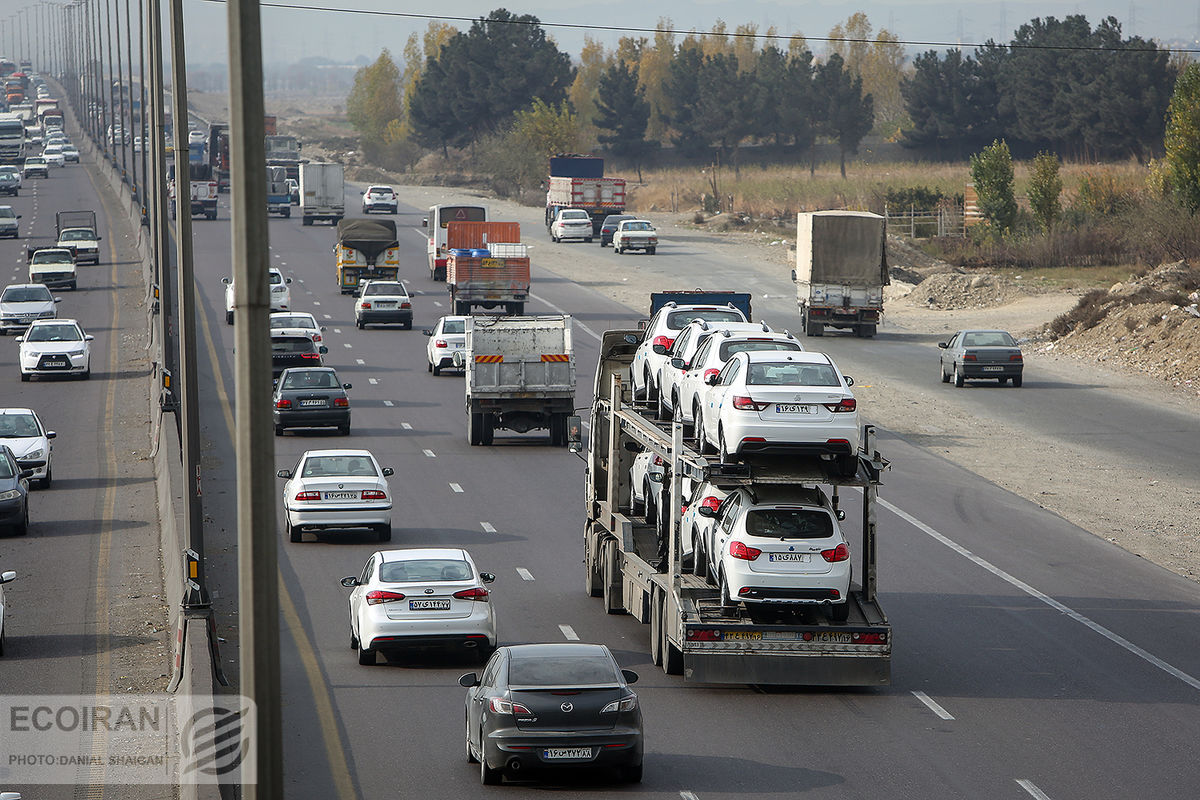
(679, 32)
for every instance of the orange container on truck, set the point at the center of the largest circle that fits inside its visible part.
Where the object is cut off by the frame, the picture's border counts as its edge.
(487, 266)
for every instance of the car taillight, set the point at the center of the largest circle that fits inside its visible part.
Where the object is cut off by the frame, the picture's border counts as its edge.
(406, 305)
(626, 703)
(377, 596)
(739, 550)
(711, 503)
(477, 593)
(848, 404)
(839, 553)
(308, 496)
(969, 357)
(664, 341)
(366, 303)
(311, 355)
(708, 373)
(373, 494)
(440, 343)
(341, 402)
(283, 403)
(746, 404)
(502, 705)
(316, 337)
(1015, 357)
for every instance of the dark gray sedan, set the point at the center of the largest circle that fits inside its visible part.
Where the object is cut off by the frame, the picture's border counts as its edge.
(310, 397)
(981, 355)
(14, 491)
(552, 705)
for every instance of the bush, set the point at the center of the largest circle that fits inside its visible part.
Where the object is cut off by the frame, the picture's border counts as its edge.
(919, 197)
(992, 174)
(1100, 194)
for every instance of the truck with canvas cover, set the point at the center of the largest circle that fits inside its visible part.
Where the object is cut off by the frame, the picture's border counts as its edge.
(577, 181)
(76, 231)
(520, 375)
(366, 249)
(841, 269)
(487, 266)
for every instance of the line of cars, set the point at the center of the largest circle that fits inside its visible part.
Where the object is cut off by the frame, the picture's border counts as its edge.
(624, 232)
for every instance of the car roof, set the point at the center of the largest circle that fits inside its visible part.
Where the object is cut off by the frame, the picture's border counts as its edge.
(769, 495)
(802, 356)
(556, 650)
(309, 369)
(308, 453)
(59, 321)
(24, 286)
(18, 411)
(732, 327)
(380, 186)
(411, 553)
(985, 330)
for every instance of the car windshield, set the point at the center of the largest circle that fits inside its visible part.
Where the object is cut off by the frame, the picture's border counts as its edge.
(296, 344)
(52, 149)
(53, 333)
(454, 326)
(561, 671)
(729, 348)
(18, 426)
(988, 339)
(7, 212)
(376, 289)
(333, 466)
(637, 226)
(771, 373)
(311, 380)
(77, 235)
(52, 257)
(292, 322)
(678, 320)
(612, 222)
(26, 294)
(275, 278)
(789, 523)
(35, 162)
(424, 569)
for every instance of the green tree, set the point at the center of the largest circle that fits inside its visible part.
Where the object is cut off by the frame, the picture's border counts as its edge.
(623, 114)
(654, 67)
(1045, 188)
(374, 100)
(683, 102)
(593, 61)
(727, 103)
(848, 114)
(1181, 141)
(992, 173)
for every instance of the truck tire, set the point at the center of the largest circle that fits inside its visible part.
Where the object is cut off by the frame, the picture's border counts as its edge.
(212, 215)
(306, 221)
(864, 331)
(656, 610)
(558, 430)
(462, 309)
(672, 656)
(591, 568)
(516, 309)
(486, 429)
(287, 212)
(650, 251)
(474, 427)
(610, 579)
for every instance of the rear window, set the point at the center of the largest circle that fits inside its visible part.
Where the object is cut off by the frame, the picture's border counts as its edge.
(678, 320)
(729, 348)
(561, 671)
(334, 466)
(988, 339)
(275, 277)
(454, 326)
(385, 289)
(425, 569)
(787, 374)
(311, 380)
(292, 345)
(292, 322)
(789, 523)
(448, 214)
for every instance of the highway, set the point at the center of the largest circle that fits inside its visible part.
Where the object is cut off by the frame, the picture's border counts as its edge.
(1031, 658)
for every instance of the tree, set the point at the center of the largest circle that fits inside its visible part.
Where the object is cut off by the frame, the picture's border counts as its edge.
(654, 69)
(800, 113)
(374, 100)
(624, 113)
(771, 81)
(848, 115)
(683, 102)
(1045, 187)
(1181, 141)
(950, 104)
(593, 61)
(547, 129)
(727, 100)
(992, 173)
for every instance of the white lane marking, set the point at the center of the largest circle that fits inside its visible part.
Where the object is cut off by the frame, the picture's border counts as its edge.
(372, 381)
(454, 487)
(429, 454)
(569, 632)
(1032, 788)
(1038, 595)
(686, 795)
(525, 574)
(326, 316)
(337, 330)
(403, 425)
(347, 345)
(388, 403)
(932, 705)
(359, 361)
(488, 527)
(436, 303)
(578, 324)
(285, 264)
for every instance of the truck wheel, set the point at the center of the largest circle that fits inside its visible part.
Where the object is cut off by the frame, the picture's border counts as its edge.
(591, 568)
(211, 215)
(462, 309)
(306, 221)
(588, 240)
(610, 574)
(672, 656)
(474, 427)
(287, 213)
(656, 609)
(650, 251)
(486, 429)
(558, 430)
(866, 331)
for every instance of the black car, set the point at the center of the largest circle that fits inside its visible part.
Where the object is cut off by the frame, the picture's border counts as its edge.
(310, 397)
(552, 705)
(609, 227)
(294, 351)
(10, 182)
(14, 488)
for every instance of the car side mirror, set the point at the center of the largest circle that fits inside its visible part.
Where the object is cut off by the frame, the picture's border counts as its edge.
(58, 299)
(347, 386)
(350, 582)
(629, 675)
(793, 276)
(632, 446)
(711, 380)
(20, 339)
(841, 515)
(362, 192)
(659, 349)
(322, 349)
(469, 680)
(425, 222)
(88, 337)
(227, 281)
(655, 477)
(706, 511)
(678, 363)
(427, 332)
(322, 329)
(574, 433)
(287, 280)
(943, 345)
(275, 383)
(849, 380)
(284, 473)
(388, 472)
(487, 577)
(51, 435)
(8, 577)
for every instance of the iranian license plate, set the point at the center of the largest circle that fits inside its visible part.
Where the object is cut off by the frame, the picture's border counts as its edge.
(800, 558)
(993, 369)
(556, 753)
(55, 362)
(742, 636)
(341, 495)
(312, 402)
(385, 303)
(429, 605)
(795, 408)
(830, 637)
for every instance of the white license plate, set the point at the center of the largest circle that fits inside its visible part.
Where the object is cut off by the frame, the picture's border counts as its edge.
(567, 752)
(341, 495)
(385, 304)
(55, 362)
(312, 402)
(993, 369)
(429, 605)
(794, 408)
(801, 558)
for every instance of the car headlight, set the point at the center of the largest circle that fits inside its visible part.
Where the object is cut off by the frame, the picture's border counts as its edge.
(77, 353)
(32, 455)
(32, 354)
(627, 703)
(47, 314)
(11, 494)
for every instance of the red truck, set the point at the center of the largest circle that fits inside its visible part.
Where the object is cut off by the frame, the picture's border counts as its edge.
(578, 182)
(487, 266)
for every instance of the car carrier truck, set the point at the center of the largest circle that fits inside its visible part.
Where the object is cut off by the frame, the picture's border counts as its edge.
(637, 568)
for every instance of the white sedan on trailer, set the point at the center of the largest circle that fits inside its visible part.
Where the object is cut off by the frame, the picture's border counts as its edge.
(429, 597)
(337, 490)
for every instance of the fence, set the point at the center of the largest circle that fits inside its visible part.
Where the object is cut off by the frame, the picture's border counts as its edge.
(915, 223)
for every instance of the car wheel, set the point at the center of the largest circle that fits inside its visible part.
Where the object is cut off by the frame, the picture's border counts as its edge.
(958, 377)
(637, 508)
(705, 445)
(294, 533)
(384, 532)
(471, 759)
(23, 526)
(343, 430)
(840, 612)
(366, 656)
(648, 502)
(353, 640)
(722, 451)
(942, 370)
(228, 317)
(44, 483)
(279, 430)
(699, 557)
(1002, 381)
(358, 323)
(656, 609)
(727, 604)
(25, 377)
(662, 412)
(1017, 382)
(487, 775)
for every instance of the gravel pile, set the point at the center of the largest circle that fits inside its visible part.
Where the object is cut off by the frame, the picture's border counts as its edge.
(951, 291)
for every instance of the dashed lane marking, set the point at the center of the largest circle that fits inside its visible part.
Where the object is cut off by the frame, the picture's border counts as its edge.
(347, 345)
(488, 527)
(359, 361)
(326, 316)
(406, 426)
(525, 574)
(454, 487)
(373, 381)
(932, 705)
(576, 323)
(569, 632)
(686, 795)
(337, 330)
(1031, 787)
(429, 454)
(316, 302)
(388, 403)
(436, 303)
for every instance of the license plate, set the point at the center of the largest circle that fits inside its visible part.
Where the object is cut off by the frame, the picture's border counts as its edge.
(429, 605)
(742, 636)
(993, 369)
(312, 402)
(566, 752)
(794, 408)
(801, 558)
(55, 362)
(385, 304)
(832, 638)
(341, 495)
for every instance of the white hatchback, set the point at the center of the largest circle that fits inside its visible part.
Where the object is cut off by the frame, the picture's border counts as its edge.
(55, 347)
(785, 403)
(53, 153)
(337, 490)
(651, 356)
(22, 430)
(429, 597)
(446, 338)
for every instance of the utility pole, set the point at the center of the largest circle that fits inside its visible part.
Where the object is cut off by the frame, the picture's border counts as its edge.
(196, 598)
(258, 576)
(160, 243)
(145, 130)
(118, 84)
(106, 85)
(135, 184)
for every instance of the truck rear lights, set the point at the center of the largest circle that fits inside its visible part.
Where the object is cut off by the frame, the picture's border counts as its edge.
(869, 638)
(843, 406)
(373, 494)
(739, 550)
(477, 593)
(839, 553)
(378, 596)
(742, 403)
(283, 403)
(703, 635)
(308, 496)
(341, 402)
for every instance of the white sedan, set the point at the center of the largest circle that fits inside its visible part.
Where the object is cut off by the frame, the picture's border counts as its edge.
(281, 295)
(337, 490)
(53, 153)
(22, 430)
(572, 223)
(429, 597)
(445, 339)
(296, 323)
(788, 403)
(381, 302)
(6, 577)
(23, 303)
(55, 347)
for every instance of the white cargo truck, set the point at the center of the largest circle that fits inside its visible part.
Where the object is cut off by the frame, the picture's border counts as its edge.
(322, 192)
(520, 375)
(841, 269)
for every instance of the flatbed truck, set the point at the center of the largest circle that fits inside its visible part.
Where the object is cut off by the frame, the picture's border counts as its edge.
(637, 567)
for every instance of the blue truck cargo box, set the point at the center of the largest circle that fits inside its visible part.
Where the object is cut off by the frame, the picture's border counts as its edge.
(576, 167)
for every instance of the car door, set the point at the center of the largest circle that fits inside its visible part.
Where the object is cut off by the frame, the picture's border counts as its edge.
(477, 696)
(357, 594)
(727, 515)
(690, 381)
(716, 397)
(949, 352)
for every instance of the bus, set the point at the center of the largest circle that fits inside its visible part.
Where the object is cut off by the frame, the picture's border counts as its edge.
(439, 217)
